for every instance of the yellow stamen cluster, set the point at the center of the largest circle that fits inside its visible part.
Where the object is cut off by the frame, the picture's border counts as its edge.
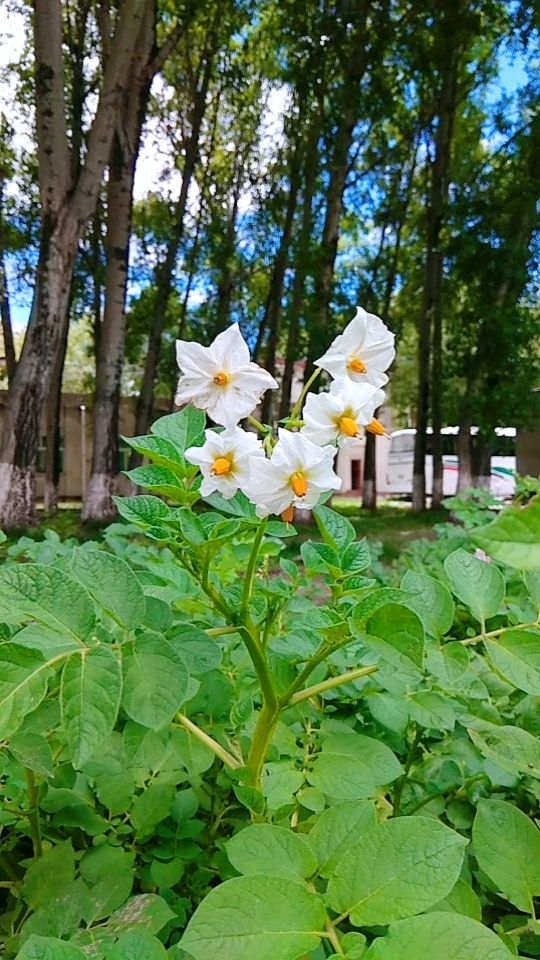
(222, 466)
(299, 484)
(348, 426)
(376, 427)
(356, 365)
(287, 515)
(221, 379)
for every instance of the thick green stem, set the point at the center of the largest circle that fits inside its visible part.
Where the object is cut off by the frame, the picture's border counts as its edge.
(208, 741)
(262, 738)
(32, 792)
(258, 660)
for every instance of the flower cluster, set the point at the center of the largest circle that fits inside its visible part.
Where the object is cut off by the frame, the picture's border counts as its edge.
(298, 468)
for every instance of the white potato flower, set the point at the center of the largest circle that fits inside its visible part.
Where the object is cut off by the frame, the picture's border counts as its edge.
(221, 379)
(362, 352)
(297, 473)
(340, 414)
(225, 460)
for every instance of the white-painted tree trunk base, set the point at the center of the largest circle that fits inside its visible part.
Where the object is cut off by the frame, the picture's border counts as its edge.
(50, 496)
(98, 503)
(369, 496)
(17, 496)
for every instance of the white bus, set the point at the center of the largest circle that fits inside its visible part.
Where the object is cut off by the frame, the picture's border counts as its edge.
(399, 470)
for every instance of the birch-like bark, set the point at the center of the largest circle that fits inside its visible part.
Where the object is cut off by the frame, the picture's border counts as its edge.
(65, 209)
(98, 503)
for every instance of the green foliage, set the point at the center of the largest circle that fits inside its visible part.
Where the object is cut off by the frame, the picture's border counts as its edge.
(315, 762)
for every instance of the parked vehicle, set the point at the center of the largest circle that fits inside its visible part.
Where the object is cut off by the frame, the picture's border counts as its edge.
(399, 470)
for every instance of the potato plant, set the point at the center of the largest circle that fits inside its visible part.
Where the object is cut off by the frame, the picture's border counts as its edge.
(212, 749)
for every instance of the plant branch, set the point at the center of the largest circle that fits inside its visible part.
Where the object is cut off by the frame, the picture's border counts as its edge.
(496, 633)
(208, 741)
(332, 682)
(32, 792)
(298, 405)
(250, 572)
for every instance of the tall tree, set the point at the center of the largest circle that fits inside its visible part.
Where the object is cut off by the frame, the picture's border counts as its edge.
(353, 46)
(66, 207)
(147, 60)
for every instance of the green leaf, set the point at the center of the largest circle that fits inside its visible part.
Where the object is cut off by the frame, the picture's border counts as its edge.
(515, 654)
(443, 936)
(430, 709)
(269, 918)
(183, 429)
(319, 557)
(351, 767)
(513, 537)
(159, 479)
(337, 828)
(369, 605)
(335, 529)
(49, 948)
(155, 680)
(36, 592)
(431, 600)
(263, 848)
(511, 748)
(396, 635)
(190, 526)
(90, 693)
(356, 557)
(23, 684)
(462, 899)
(479, 585)
(146, 911)
(157, 449)
(144, 511)
(112, 584)
(507, 846)
(532, 582)
(151, 807)
(167, 873)
(50, 874)
(448, 663)
(250, 797)
(237, 506)
(136, 945)
(33, 752)
(395, 870)
(354, 945)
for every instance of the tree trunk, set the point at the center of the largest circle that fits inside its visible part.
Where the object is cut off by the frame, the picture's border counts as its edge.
(165, 272)
(98, 503)
(430, 325)
(369, 486)
(338, 169)
(272, 313)
(465, 457)
(66, 207)
(226, 280)
(301, 267)
(52, 427)
(5, 312)
(481, 462)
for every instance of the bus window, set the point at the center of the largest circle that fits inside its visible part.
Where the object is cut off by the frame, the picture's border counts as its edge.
(504, 447)
(403, 443)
